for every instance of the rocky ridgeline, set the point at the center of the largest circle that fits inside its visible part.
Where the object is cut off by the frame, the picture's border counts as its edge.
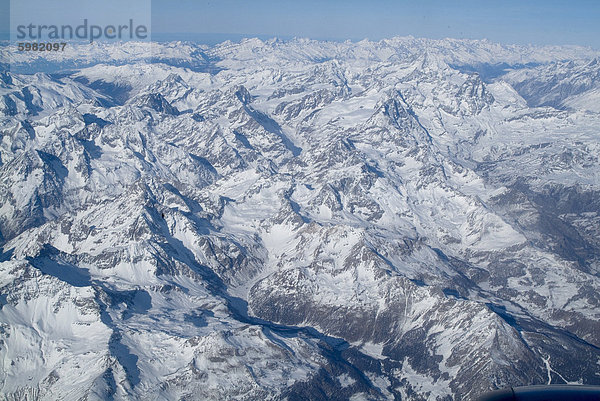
(404, 219)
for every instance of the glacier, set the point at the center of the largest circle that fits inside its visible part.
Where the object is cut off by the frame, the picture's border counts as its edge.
(298, 220)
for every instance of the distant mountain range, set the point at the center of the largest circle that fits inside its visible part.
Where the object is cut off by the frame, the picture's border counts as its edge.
(298, 220)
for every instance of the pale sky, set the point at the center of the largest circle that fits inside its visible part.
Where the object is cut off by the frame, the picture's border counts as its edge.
(507, 21)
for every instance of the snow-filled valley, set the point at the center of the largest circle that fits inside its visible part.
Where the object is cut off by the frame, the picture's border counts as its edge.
(298, 220)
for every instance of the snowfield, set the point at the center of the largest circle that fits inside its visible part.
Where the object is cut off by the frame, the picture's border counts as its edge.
(283, 220)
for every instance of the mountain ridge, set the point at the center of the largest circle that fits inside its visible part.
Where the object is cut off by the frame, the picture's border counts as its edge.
(303, 219)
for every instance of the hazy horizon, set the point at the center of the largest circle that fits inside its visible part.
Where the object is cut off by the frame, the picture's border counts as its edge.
(508, 22)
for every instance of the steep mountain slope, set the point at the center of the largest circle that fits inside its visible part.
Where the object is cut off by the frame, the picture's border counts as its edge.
(569, 84)
(299, 220)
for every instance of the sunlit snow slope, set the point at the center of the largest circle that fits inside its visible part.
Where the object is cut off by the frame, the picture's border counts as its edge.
(404, 219)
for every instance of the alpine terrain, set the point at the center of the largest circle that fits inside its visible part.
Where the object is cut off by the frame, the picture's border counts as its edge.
(407, 219)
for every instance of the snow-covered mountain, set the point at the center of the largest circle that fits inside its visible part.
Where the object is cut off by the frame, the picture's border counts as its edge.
(404, 219)
(574, 85)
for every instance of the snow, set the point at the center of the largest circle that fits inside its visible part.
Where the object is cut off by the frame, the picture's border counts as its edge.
(423, 384)
(152, 224)
(374, 350)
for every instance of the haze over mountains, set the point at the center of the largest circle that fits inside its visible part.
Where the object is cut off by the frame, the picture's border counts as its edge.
(300, 220)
